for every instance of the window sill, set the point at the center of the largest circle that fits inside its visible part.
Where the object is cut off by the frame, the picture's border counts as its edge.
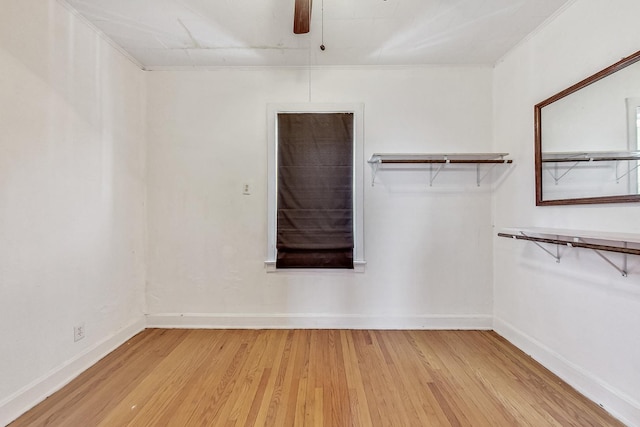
(358, 267)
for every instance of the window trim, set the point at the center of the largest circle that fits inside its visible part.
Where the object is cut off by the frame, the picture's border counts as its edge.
(358, 177)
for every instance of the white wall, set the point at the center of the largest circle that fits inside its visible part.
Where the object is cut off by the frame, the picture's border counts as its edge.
(72, 199)
(579, 317)
(428, 251)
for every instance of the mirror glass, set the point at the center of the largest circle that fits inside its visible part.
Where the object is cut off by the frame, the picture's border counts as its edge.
(588, 139)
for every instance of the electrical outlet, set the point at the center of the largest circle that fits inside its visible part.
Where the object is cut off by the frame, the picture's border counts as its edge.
(246, 188)
(78, 332)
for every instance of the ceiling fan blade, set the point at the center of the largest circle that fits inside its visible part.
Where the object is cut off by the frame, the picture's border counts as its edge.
(302, 16)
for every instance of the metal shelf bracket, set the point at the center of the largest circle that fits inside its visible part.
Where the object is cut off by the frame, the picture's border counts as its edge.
(622, 270)
(374, 171)
(555, 174)
(480, 178)
(555, 256)
(619, 177)
(432, 175)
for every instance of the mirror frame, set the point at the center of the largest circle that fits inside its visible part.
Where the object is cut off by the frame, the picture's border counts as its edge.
(623, 63)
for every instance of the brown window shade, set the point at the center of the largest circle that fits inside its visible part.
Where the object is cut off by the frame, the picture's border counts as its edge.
(315, 190)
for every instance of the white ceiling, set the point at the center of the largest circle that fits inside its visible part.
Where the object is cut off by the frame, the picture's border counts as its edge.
(185, 33)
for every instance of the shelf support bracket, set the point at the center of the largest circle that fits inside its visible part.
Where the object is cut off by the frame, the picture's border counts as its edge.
(556, 177)
(479, 178)
(622, 270)
(432, 175)
(619, 177)
(555, 256)
(374, 171)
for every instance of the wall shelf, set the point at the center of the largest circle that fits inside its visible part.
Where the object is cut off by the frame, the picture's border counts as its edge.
(594, 156)
(575, 159)
(436, 163)
(620, 242)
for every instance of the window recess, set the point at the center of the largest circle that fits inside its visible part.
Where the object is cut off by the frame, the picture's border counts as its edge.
(551, 240)
(483, 163)
(315, 190)
(306, 228)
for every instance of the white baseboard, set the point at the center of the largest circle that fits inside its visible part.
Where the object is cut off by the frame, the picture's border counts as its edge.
(316, 321)
(34, 393)
(623, 407)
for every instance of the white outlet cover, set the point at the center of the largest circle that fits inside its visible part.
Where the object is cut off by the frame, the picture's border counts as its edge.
(78, 332)
(246, 188)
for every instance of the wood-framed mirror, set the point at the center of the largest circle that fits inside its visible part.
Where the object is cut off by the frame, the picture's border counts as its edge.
(587, 139)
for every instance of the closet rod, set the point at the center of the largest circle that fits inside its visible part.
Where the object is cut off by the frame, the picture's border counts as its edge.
(408, 161)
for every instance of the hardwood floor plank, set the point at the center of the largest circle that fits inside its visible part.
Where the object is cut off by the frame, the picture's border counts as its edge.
(408, 366)
(274, 410)
(250, 374)
(317, 378)
(357, 395)
(214, 389)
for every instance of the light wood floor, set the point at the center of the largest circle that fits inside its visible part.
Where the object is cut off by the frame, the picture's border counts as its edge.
(316, 378)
